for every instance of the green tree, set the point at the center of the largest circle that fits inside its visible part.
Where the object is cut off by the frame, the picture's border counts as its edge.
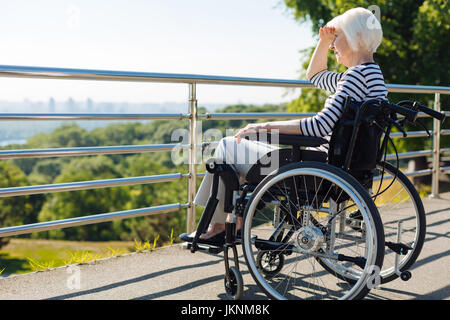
(63, 205)
(414, 50)
(45, 171)
(116, 134)
(67, 135)
(16, 210)
(140, 196)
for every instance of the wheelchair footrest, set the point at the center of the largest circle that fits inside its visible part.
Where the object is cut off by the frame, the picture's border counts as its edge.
(359, 261)
(205, 248)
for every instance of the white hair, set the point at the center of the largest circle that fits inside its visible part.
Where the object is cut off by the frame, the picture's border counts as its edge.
(361, 28)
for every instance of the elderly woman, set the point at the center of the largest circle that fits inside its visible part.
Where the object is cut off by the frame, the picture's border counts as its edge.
(353, 36)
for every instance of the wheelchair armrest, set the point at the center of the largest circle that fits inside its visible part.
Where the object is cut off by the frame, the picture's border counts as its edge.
(288, 139)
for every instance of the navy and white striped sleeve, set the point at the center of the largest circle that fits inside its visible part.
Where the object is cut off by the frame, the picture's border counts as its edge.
(352, 83)
(326, 80)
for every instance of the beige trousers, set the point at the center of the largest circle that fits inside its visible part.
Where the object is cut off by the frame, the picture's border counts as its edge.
(241, 157)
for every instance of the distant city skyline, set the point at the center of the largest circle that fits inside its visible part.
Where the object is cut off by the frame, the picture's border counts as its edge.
(252, 38)
(90, 105)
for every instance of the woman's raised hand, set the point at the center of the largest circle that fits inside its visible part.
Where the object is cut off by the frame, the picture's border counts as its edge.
(327, 34)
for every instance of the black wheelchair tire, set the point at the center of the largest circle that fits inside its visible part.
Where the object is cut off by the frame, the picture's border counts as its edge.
(235, 287)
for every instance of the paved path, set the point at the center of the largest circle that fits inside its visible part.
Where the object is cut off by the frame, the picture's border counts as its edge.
(175, 273)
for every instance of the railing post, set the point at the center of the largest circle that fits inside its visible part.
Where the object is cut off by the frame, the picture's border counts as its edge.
(192, 181)
(436, 150)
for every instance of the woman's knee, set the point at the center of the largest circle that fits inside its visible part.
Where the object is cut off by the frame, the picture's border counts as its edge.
(224, 146)
(229, 140)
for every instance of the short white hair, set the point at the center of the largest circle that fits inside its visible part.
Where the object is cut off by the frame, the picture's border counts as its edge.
(361, 28)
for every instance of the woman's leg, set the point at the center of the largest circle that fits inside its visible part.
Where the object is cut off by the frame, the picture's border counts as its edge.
(241, 157)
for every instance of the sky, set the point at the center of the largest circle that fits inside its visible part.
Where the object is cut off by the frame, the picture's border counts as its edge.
(251, 38)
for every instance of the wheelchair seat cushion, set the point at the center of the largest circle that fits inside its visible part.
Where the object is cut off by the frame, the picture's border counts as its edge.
(287, 139)
(278, 158)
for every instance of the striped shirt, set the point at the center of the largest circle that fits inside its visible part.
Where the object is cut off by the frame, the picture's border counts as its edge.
(362, 82)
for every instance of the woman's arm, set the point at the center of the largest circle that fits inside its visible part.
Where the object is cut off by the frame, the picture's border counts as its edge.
(281, 127)
(284, 127)
(320, 56)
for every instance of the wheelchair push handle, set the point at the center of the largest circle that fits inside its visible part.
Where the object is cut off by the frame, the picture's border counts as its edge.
(409, 114)
(417, 106)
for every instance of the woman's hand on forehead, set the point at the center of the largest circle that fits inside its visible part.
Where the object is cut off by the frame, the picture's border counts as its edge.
(327, 34)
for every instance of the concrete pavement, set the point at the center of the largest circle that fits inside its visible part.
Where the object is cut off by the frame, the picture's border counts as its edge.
(175, 273)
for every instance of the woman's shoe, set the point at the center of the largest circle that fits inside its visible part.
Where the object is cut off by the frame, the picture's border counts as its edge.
(188, 237)
(217, 240)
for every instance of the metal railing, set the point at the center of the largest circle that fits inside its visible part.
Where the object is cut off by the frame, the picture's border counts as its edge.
(192, 115)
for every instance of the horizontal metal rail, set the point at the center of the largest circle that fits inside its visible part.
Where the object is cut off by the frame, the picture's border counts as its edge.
(85, 185)
(410, 134)
(90, 116)
(445, 169)
(418, 173)
(412, 154)
(420, 89)
(108, 75)
(85, 220)
(254, 116)
(87, 151)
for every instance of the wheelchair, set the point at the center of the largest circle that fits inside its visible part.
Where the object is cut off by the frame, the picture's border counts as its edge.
(323, 226)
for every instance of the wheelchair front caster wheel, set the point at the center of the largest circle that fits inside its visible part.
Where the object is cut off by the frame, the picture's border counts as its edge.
(405, 275)
(270, 263)
(234, 287)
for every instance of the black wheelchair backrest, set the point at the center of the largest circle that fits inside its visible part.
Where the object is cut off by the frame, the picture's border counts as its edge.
(355, 142)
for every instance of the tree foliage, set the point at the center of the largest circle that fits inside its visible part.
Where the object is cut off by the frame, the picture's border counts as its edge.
(16, 210)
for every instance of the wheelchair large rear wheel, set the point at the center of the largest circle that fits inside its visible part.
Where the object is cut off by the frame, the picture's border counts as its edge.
(299, 212)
